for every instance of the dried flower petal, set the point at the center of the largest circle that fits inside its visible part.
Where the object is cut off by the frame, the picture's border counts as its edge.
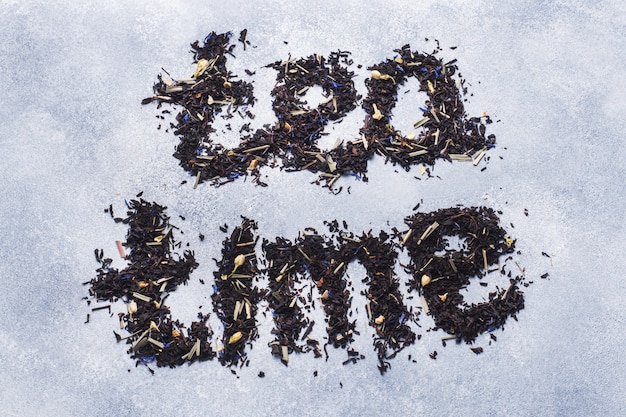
(235, 337)
(377, 114)
(202, 66)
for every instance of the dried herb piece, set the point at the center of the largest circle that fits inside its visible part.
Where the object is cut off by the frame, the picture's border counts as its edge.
(477, 350)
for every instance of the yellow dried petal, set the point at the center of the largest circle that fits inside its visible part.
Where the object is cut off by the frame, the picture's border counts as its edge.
(426, 280)
(235, 338)
(380, 319)
(202, 66)
(175, 333)
(377, 75)
(253, 164)
(239, 260)
(377, 114)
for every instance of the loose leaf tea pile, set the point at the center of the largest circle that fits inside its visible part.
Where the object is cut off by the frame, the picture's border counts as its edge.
(299, 273)
(235, 299)
(291, 326)
(439, 277)
(153, 272)
(445, 131)
(290, 279)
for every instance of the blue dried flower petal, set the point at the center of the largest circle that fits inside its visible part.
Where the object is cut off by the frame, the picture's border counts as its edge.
(147, 359)
(333, 83)
(124, 277)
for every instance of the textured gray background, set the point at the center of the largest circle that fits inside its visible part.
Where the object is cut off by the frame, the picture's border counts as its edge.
(74, 138)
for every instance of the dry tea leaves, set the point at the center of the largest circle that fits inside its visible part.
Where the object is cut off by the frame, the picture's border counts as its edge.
(313, 263)
(235, 296)
(211, 91)
(326, 264)
(154, 270)
(386, 310)
(440, 273)
(443, 131)
(291, 326)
